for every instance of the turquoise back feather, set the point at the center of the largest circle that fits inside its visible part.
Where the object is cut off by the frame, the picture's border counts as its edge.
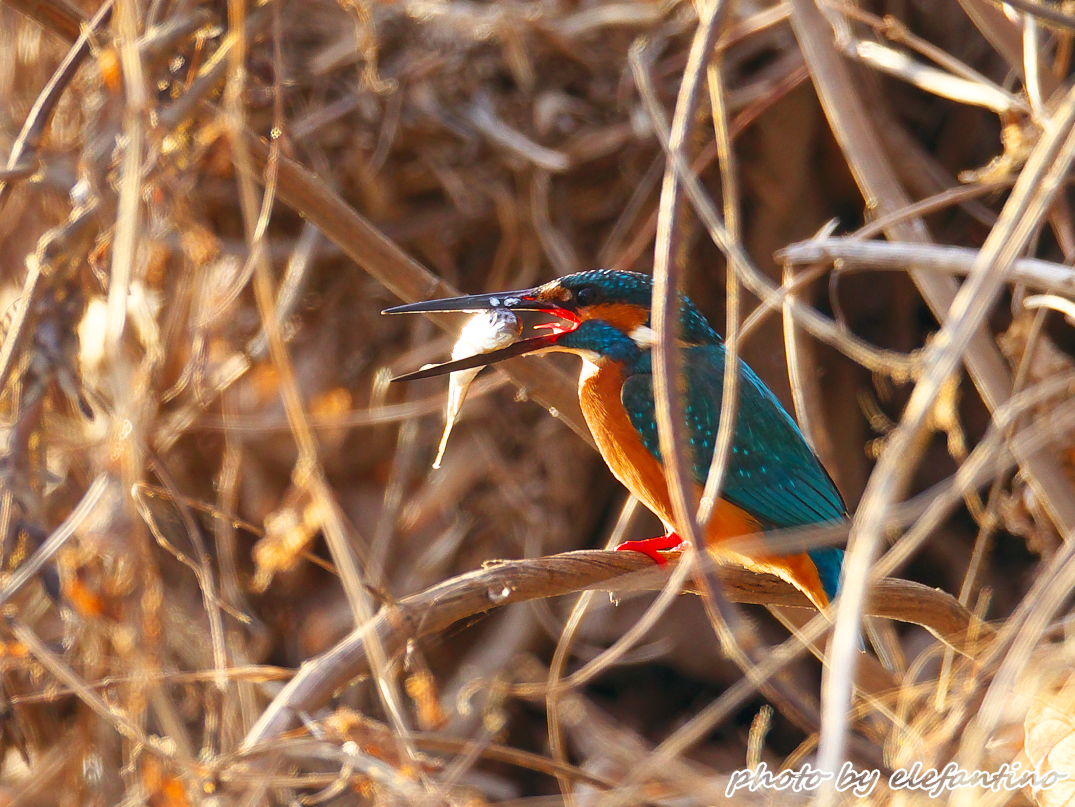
(772, 472)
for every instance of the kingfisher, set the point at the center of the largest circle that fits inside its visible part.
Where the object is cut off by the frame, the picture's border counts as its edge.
(774, 480)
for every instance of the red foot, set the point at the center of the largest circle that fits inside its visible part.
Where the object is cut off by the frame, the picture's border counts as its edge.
(651, 547)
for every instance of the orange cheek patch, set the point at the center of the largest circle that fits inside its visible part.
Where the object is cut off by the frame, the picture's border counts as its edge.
(624, 316)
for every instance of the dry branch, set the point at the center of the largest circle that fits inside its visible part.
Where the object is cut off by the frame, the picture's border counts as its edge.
(503, 583)
(882, 255)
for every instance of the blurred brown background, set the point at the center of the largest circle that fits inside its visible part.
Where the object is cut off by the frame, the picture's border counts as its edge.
(500, 145)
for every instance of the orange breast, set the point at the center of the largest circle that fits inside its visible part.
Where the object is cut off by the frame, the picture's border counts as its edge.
(640, 472)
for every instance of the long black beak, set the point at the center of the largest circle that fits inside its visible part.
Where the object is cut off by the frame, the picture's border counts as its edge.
(523, 300)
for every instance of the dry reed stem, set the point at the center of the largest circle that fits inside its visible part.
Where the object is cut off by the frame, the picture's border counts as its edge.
(728, 624)
(668, 393)
(1046, 14)
(24, 149)
(560, 656)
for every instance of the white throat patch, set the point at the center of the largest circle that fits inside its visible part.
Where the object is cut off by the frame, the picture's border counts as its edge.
(643, 336)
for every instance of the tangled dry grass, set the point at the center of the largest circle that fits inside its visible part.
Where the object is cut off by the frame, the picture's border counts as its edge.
(229, 575)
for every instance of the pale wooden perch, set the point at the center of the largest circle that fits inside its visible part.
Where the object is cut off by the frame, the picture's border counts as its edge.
(502, 583)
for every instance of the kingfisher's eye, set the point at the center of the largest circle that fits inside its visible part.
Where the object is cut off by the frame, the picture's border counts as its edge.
(587, 295)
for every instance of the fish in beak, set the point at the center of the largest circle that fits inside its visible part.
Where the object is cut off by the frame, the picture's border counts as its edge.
(485, 332)
(525, 300)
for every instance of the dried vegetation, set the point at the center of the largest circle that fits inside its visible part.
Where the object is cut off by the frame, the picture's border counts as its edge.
(208, 482)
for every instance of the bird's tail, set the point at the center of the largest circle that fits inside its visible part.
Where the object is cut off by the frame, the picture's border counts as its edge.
(829, 561)
(805, 573)
(815, 573)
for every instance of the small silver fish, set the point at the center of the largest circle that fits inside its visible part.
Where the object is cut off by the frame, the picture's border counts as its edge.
(484, 332)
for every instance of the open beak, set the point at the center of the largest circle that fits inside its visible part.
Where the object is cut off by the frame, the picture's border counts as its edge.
(524, 300)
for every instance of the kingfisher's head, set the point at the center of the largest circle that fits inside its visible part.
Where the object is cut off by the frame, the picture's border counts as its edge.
(600, 313)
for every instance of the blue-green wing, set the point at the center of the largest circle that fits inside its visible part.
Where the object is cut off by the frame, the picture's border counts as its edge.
(773, 473)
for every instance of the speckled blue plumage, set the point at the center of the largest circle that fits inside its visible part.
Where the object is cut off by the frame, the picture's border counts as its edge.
(772, 473)
(635, 288)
